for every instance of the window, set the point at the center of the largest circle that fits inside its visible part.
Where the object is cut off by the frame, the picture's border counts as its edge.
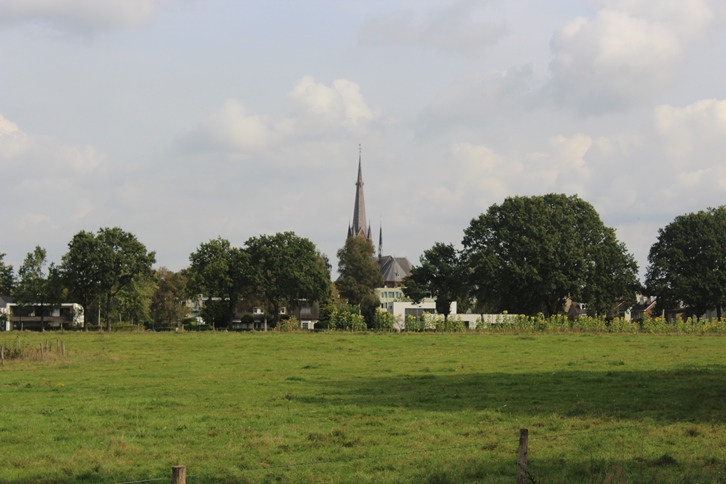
(305, 311)
(283, 310)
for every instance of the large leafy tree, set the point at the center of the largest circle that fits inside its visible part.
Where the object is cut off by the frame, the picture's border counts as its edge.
(38, 284)
(168, 296)
(102, 265)
(7, 277)
(133, 303)
(218, 270)
(122, 258)
(81, 270)
(529, 254)
(688, 262)
(359, 272)
(441, 274)
(288, 269)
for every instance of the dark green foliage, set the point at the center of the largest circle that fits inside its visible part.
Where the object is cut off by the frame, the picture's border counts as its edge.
(121, 258)
(101, 266)
(220, 271)
(359, 272)
(688, 262)
(441, 274)
(287, 269)
(37, 286)
(166, 302)
(529, 254)
(7, 277)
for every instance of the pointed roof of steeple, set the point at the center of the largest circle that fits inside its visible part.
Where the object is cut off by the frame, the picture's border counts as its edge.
(359, 210)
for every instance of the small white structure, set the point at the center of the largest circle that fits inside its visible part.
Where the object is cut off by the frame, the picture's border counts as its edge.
(401, 309)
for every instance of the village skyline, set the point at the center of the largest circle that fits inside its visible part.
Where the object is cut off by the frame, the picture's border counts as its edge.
(184, 121)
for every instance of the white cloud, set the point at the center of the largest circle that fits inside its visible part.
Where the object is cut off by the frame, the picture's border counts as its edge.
(456, 28)
(231, 128)
(81, 16)
(689, 131)
(627, 54)
(48, 175)
(487, 99)
(319, 112)
(340, 104)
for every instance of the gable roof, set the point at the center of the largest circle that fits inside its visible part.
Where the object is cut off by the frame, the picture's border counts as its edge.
(394, 269)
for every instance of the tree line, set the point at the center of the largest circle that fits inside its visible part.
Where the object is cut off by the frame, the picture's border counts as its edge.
(112, 271)
(527, 255)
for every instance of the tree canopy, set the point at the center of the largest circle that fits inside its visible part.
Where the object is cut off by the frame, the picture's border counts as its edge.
(219, 270)
(359, 271)
(287, 269)
(687, 263)
(7, 277)
(529, 254)
(441, 274)
(104, 264)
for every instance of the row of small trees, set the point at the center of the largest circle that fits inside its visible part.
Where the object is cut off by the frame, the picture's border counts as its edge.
(113, 270)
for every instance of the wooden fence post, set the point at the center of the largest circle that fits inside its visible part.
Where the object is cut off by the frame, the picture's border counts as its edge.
(63, 348)
(522, 459)
(41, 352)
(179, 475)
(2, 355)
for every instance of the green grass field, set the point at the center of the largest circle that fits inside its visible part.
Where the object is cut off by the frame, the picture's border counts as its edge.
(337, 407)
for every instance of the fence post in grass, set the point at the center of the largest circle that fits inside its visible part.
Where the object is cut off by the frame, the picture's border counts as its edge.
(522, 459)
(41, 352)
(179, 475)
(2, 355)
(63, 348)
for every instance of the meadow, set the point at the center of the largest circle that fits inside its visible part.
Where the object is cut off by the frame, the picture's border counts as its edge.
(366, 407)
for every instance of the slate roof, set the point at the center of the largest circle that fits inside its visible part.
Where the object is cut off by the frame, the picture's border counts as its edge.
(394, 269)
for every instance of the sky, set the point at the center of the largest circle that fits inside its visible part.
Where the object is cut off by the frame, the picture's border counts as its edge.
(181, 121)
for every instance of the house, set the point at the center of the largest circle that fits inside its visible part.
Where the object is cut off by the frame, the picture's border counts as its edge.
(402, 309)
(5, 324)
(39, 317)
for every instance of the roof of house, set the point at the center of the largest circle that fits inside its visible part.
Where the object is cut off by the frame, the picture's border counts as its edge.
(394, 269)
(4, 300)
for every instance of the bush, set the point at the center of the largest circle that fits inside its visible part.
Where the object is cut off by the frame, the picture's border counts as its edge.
(288, 325)
(383, 320)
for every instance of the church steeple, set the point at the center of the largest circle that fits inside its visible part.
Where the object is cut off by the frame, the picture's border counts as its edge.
(359, 228)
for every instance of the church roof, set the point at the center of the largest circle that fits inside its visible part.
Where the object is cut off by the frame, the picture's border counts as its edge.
(359, 228)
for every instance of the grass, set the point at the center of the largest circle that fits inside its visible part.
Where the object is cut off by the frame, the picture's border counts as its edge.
(339, 407)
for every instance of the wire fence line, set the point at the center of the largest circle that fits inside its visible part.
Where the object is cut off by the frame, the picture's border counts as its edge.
(482, 446)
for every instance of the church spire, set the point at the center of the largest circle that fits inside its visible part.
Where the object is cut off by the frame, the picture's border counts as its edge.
(380, 240)
(359, 227)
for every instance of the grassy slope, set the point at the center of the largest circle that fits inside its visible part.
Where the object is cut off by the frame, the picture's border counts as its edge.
(242, 407)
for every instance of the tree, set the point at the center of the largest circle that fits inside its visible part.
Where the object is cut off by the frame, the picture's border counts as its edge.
(687, 263)
(133, 302)
(7, 277)
(359, 271)
(122, 258)
(288, 269)
(219, 270)
(103, 265)
(81, 271)
(440, 274)
(529, 254)
(167, 301)
(34, 287)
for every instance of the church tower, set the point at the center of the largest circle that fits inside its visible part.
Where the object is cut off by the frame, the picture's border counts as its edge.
(359, 228)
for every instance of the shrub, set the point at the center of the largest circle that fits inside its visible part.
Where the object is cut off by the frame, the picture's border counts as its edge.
(383, 320)
(288, 325)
